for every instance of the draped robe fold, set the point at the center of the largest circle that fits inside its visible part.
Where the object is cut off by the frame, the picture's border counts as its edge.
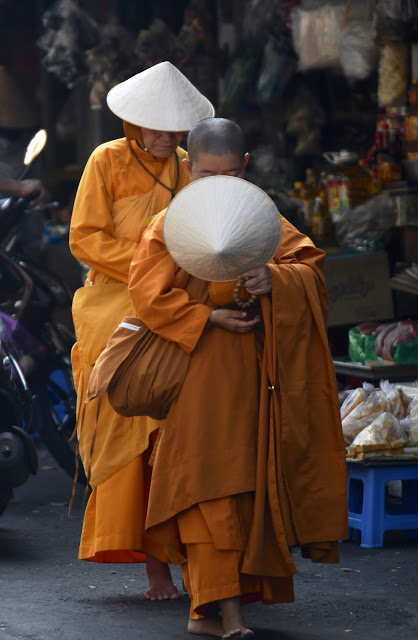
(257, 415)
(114, 202)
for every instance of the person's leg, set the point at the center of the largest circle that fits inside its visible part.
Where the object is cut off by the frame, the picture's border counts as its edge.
(213, 581)
(232, 621)
(210, 624)
(161, 585)
(215, 535)
(114, 529)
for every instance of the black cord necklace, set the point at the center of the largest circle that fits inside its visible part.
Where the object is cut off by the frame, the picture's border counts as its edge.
(171, 190)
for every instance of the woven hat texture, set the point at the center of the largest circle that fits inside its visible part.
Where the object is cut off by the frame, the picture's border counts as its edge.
(160, 98)
(219, 227)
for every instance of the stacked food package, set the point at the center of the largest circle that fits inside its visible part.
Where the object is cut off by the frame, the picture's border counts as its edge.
(383, 416)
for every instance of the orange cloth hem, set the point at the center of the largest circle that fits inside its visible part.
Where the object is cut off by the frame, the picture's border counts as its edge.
(114, 521)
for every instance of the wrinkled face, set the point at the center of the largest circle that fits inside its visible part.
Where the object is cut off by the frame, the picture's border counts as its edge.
(206, 164)
(161, 144)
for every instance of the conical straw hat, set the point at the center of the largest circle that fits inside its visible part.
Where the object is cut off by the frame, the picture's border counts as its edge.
(16, 110)
(219, 227)
(160, 98)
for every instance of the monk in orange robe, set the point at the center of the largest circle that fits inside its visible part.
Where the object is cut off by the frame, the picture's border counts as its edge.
(125, 182)
(251, 460)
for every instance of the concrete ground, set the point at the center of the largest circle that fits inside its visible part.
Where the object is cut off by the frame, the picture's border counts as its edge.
(47, 594)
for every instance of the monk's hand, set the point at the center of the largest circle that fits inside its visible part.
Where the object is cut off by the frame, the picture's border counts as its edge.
(258, 280)
(232, 320)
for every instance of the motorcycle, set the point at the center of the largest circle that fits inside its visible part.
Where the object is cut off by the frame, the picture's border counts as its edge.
(33, 298)
(18, 456)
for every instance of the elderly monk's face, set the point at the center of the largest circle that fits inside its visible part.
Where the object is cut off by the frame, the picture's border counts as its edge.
(206, 164)
(161, 144)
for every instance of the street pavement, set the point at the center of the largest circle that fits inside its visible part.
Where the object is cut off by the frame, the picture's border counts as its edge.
(47, 594)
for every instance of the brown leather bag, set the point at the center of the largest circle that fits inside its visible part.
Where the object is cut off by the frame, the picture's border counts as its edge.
(141, 372)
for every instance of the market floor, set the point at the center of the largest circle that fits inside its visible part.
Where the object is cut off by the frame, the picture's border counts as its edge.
(46, 593)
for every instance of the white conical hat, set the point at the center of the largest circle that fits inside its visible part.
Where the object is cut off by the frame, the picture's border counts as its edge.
(160, 98)
(218, 227)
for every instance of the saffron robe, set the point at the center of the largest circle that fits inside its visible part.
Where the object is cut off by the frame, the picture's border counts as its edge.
(114, 202)
(271, 430)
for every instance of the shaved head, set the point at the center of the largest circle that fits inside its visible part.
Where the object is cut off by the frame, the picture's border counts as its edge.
(217, 137)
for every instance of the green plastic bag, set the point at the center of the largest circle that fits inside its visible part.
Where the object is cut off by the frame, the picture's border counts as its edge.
(361, 346)
(406, 352)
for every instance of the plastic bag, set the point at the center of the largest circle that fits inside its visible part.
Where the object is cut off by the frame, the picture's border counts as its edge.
(366, 227)
(398, 403)
(410, 423)
(277, 67)
(358, 52)
(361, 347)
(385, 428)
(240, 75)
(356, 397)
(316, 34)
(364, 414)
(393, 75)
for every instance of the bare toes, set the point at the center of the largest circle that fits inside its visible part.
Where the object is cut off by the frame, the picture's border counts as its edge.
(238, 633)
(159, 592)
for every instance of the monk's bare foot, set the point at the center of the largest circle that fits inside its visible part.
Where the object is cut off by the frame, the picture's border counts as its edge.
(206, 627)
(161, 586)
(232, 620)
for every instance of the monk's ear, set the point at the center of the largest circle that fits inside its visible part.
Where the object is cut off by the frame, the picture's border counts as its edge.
(246, 158)
(187, 166)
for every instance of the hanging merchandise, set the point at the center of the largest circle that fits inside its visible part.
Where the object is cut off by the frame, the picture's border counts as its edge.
(261, 16)
(393, 75)
(306, 117)
(316, 27)
(240, 76)
(69, 33)
(358, 51)
(157, 44)
(17, 111)
(112, 61)
(396, 20)
(278, 65)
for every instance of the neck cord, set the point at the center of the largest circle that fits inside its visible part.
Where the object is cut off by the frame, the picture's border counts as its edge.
(171, 190)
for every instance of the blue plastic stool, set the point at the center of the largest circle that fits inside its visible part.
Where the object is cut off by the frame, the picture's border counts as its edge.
(367, 505)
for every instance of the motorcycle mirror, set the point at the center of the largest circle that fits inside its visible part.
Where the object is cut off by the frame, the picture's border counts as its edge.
(35, 146)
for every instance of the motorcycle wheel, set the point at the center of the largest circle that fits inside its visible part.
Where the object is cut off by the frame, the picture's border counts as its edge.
(5, 497)
(55, 411)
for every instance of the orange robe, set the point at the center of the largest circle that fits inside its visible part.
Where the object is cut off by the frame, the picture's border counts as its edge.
(257, 416)
(114, 201)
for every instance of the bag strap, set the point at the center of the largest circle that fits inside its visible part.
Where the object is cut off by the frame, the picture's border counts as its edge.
(77, 461)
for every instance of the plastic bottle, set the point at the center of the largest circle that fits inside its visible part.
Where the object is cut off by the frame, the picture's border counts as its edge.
(343, 193)
(308, 194)
(319, 220)
(332, 182)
